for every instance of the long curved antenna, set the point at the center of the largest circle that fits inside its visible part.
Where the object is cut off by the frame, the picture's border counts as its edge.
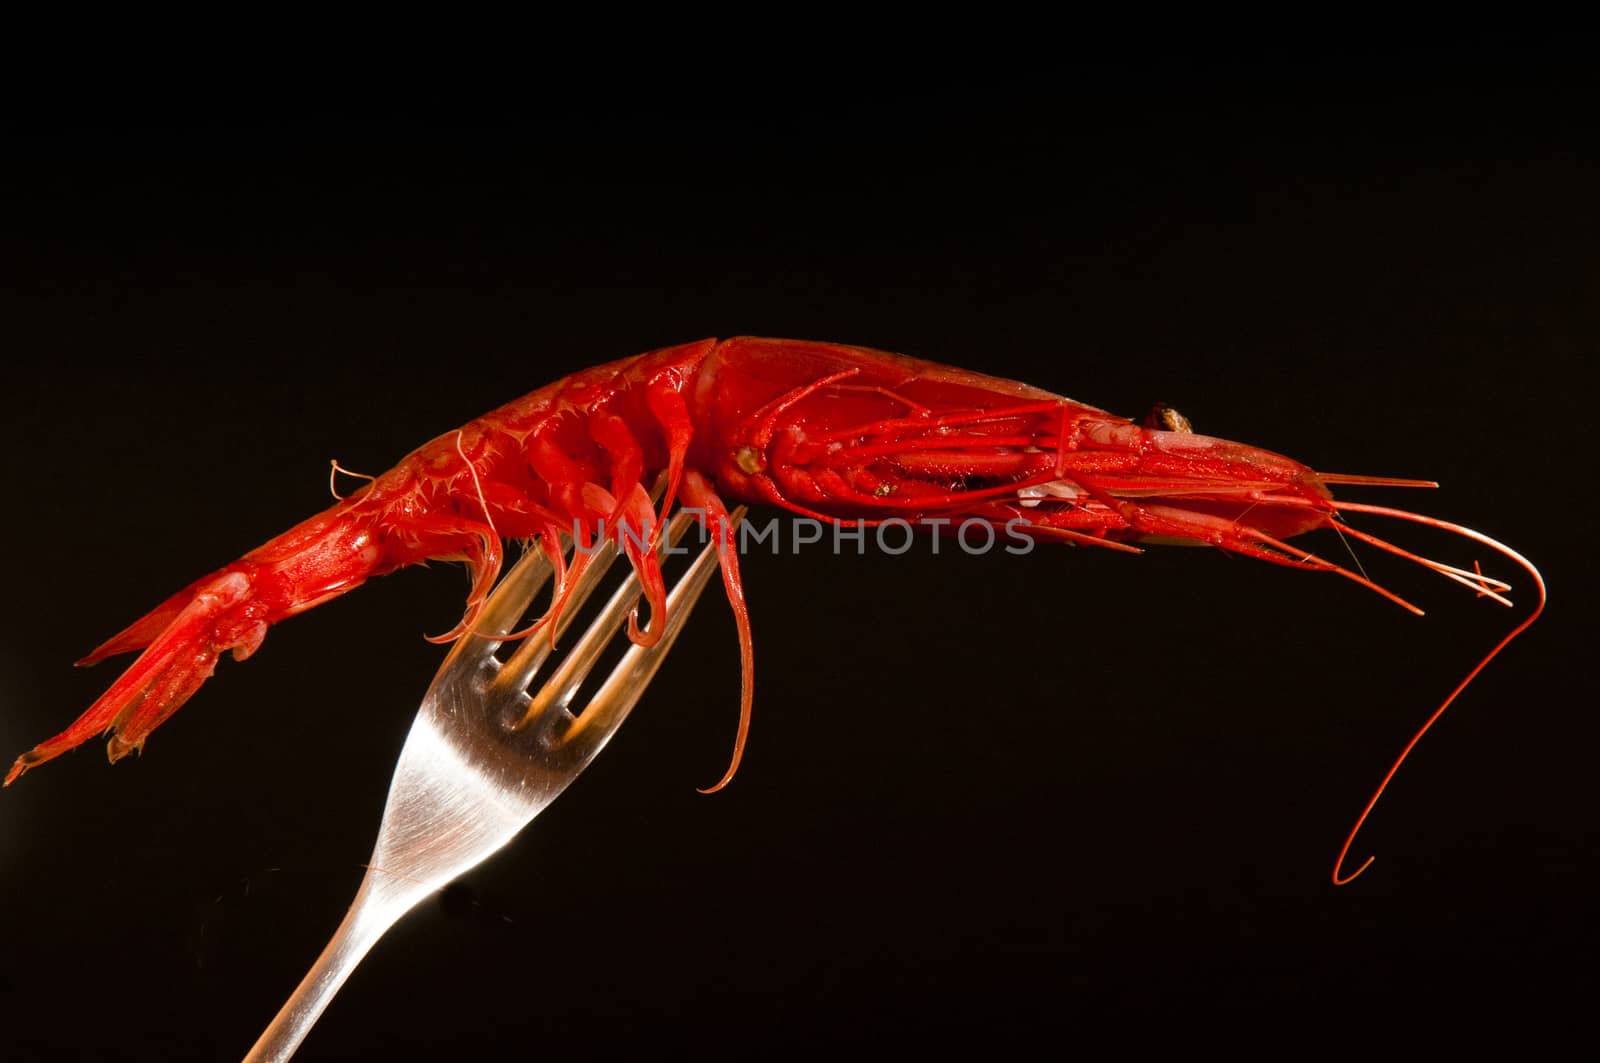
(1283, 553)
(1487, 586)
(1340, 879)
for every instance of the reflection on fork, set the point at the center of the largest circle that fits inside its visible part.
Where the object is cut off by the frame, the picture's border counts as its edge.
(484, 757)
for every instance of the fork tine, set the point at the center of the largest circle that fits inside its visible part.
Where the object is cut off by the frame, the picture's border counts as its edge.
(628, 680)
(502, 610)
(560, 688)
(519, 670)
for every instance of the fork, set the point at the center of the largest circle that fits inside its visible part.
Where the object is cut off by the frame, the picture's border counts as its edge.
(484, 757)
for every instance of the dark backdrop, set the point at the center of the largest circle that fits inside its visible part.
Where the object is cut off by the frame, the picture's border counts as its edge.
(1074, 794)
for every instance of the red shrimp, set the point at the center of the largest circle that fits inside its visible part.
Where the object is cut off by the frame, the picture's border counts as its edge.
(819, 429)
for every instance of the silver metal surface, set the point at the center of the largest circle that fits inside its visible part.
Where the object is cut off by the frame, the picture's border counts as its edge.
(483, 758)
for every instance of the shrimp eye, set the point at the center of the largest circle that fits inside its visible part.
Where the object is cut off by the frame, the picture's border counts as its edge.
(1166, 418)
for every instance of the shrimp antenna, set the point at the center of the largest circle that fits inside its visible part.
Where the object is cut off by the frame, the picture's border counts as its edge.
(1483, 586)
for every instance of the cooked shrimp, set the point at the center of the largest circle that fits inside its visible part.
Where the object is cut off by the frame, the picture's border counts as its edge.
(818, 429)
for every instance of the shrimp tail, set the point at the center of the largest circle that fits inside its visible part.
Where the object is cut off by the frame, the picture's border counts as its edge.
(227, 611)
(172, 668)
(145, 630)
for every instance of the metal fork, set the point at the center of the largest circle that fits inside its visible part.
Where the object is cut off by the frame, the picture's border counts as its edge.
(484, 757)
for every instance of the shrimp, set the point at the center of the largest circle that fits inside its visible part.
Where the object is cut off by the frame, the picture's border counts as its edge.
(822, 430)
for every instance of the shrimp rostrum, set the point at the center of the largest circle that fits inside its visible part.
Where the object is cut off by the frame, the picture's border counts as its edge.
(818, 429)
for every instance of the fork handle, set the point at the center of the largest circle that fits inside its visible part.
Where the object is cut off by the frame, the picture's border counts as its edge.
(370, 916)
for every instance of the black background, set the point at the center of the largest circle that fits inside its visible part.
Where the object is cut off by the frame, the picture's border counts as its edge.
(1074, 795)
